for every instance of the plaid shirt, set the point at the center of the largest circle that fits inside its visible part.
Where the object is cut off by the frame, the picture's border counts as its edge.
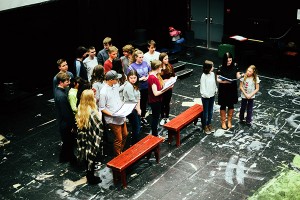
(89, 141)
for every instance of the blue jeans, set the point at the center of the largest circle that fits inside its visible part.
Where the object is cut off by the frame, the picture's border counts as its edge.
(135, 122)
(208, 108)
(246, 103)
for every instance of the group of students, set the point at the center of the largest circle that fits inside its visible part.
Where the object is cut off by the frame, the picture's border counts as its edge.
(227, 78)
(85, 102)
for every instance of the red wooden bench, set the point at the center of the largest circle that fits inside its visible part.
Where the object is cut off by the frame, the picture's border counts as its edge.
(139, 150)
(188, 116)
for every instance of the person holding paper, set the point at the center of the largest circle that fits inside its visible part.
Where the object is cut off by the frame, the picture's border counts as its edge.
(110, 102)
(155, 83)
(131, 93)
(228, 91)
(167, 72)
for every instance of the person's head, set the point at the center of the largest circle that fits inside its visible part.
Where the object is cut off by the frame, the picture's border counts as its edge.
(62, 65)
(88, 98)
(164, 58)
(132, 78)
(86, 105)
(208, 66)
(112, 77)
(75, 82)
(63, 79)
(112, 52)
(81, 52)
(227, 59)
(127, 50)
(156, 65)
(107, 42)
(138, 56)
(98, 74)
(151, 46)
(84, 85)
(92, 52)
(251, 71)
(117, 65)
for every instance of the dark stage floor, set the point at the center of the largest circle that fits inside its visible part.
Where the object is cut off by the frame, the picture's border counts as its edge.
(235, 164)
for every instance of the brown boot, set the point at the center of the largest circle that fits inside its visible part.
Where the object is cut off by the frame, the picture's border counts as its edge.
(230, 115)
(223, 119)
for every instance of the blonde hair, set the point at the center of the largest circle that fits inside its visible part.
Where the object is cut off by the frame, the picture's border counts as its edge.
(254, 73)
(86, 106)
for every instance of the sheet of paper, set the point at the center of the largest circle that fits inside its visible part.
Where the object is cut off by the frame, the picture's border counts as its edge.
(170, 82)
(239, 38)
(125, 110)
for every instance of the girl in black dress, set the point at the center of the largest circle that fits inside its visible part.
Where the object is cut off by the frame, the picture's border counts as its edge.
(227, 76)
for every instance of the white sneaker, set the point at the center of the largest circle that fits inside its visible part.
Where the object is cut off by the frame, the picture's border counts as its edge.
(167, 120)
(162, 121)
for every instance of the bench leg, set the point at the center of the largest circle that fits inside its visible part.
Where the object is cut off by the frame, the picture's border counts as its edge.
(170, 136)
(149, 155)
(178, 138)
(115, 176)
(156, 153)
(123, 178)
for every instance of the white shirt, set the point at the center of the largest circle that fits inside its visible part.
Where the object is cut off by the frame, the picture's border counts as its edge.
(208, 85)
(90, 64)
(149, 57)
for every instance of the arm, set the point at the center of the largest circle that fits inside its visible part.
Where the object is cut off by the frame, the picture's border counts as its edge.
(221, 81)
(242, 89)
(73, 102)
(156, 92)
(77, 68)
(255, 91)
(138, 108)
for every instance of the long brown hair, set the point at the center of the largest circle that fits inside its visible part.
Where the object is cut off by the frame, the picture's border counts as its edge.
(133, 72)
(168, 68)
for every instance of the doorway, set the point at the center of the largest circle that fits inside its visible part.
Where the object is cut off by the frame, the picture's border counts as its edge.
(207, 20)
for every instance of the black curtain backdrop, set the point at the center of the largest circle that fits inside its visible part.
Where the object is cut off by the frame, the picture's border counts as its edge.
(33, 38)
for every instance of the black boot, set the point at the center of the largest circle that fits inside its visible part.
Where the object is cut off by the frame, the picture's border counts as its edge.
(91, 178)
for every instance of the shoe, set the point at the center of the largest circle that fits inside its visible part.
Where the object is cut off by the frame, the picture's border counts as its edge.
(248, 124)
(206, 130)
(211, 129)
(162, 121)
(167, 120)
(92, 179)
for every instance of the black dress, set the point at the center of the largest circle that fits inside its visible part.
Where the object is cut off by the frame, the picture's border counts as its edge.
(228, 93)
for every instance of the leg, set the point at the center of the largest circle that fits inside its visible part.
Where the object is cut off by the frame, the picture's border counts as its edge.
(124, 135)
(242, 109)
(116, 129)
(229, 116)
(167, 100)
(135, 122)
(249, 111)
(156, 107)
(205, 103)
(223, 117)
(143, 101)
